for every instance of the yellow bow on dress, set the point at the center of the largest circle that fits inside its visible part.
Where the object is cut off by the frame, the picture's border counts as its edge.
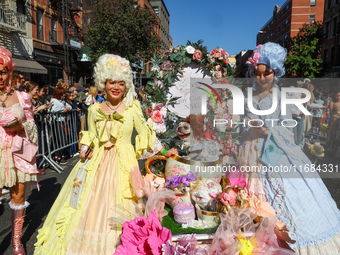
(116, 117)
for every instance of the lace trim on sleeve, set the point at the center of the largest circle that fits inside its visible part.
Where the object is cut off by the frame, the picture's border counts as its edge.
(157, 147)
(32, 131)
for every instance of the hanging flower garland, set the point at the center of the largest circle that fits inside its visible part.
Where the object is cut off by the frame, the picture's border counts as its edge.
(165, 70)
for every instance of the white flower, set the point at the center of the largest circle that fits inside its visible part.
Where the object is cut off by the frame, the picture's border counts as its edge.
(190, 49)
(159, 128)
(160, 75)
(150, 122)
(163, 111)
(155, 69)
(159, 83)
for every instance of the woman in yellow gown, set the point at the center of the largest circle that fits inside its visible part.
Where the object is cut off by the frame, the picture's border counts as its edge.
(108, 190)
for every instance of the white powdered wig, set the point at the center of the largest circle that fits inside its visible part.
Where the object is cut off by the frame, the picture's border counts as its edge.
(115, 68)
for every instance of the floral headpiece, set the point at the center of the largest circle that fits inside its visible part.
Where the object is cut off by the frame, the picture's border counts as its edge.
(255, 59)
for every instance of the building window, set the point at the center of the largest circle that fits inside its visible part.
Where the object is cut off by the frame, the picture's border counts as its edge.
(287, 8)
(156, 10)
(286, 23)
(54, 33)
(327, 32)
(334, 27)
(311, 18)
(40, 25)
(21, 7)
(333, 55)
(325, 55)
(329, 4)
(312, 3)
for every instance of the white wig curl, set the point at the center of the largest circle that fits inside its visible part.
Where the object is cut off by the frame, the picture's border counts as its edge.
(115, 68)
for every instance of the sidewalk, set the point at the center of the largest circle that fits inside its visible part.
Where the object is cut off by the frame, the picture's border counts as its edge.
(41, 202)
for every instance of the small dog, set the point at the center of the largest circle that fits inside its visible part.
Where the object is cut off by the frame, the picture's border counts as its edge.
(184, 131)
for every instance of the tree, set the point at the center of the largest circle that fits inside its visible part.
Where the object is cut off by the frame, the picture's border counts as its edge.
(123, 28)
(304, 52)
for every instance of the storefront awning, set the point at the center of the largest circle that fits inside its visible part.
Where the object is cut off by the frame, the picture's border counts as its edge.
(28, 66)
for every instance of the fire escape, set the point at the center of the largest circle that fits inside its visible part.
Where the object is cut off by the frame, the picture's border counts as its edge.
(11, 21)
(69, 16)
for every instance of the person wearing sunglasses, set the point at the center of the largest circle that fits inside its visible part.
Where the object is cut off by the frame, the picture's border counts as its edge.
(299, 197)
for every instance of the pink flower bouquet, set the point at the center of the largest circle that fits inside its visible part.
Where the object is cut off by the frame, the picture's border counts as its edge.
(144, 236)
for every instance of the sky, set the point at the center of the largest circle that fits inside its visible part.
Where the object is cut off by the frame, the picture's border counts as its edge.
(229, 24)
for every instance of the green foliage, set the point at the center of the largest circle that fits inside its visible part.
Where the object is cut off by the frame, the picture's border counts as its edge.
(304, 52)
(199, 46)
(123, 28)
(167, 69)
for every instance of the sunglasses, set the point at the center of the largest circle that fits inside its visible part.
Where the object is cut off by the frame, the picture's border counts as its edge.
(258, 74)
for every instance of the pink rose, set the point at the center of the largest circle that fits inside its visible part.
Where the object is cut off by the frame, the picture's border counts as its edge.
(217, 55)
(218, 68)
(217, 74)
(158, 107)
(198, 55)
(167, 65)
(156, 116)
(227, 61)
(149, 111)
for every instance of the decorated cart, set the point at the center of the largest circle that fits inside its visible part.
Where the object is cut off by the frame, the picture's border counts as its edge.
(187, 211)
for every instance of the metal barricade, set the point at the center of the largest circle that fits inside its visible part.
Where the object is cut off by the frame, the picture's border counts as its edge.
(58, 132)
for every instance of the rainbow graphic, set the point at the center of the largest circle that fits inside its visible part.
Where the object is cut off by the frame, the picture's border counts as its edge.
(209, 93)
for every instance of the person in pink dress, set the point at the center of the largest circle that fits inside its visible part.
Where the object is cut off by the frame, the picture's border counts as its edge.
(16, 118)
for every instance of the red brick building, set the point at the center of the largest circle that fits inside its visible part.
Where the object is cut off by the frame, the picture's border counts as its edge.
(57, 38)
(289, 18)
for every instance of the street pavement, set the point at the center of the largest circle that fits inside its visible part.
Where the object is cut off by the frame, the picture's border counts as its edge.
(50, 185)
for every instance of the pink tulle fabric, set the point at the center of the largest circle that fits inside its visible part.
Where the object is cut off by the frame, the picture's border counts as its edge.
(156, 202)
(264, 209)
(143, 236)
(225, 241)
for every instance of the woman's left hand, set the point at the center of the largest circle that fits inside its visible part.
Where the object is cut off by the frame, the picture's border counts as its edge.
(171, 152)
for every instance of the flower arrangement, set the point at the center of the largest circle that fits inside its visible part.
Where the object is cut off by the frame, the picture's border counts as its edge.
(224, 133)
(239, 233)
(317, 150)
(218, 65)
(186, 245)
(232, 197)
(156, 114)
(165, 71)
(180, 184)
(234, 194)
(143, 236)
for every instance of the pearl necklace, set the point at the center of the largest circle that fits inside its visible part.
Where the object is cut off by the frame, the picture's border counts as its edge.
(113, 109)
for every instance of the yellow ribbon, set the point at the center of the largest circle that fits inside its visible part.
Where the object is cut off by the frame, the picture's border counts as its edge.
(116, 118)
